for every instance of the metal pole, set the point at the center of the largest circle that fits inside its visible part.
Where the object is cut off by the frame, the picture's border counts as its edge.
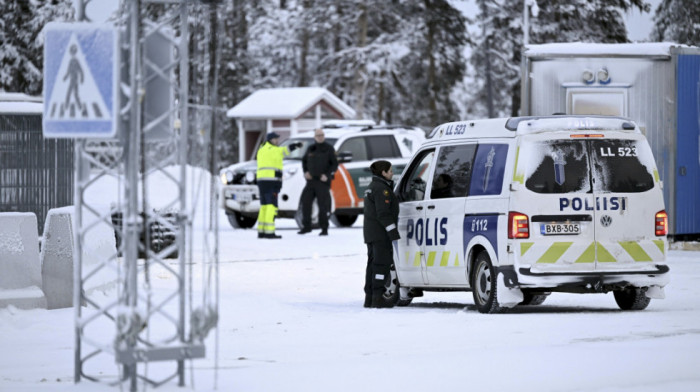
(183, 214)
(80, 10)
(526, 22)
(78, 256)
(132, 173)
(213, 205)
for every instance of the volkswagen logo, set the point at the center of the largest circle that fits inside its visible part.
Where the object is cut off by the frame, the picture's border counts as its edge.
(605, 220)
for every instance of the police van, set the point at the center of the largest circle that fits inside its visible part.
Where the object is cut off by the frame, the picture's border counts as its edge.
(515, 209)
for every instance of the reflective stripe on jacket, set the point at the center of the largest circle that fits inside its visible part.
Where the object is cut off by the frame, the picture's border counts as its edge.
(270, 161)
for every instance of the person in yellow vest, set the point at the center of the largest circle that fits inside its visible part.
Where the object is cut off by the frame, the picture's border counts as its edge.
(269, 175)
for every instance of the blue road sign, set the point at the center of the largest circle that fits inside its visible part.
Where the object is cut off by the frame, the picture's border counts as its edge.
(81, 76)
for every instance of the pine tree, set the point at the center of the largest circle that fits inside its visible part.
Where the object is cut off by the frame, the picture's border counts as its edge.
(441, 48)
(677, 21)
(21, 41)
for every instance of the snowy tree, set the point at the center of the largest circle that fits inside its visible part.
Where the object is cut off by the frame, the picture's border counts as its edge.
(440, 47)
(677, 21)
(235, 64)
(362, 50)
(21, 41)
(497, 52)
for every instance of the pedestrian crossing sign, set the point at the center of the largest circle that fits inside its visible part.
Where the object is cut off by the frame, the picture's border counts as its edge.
(81, 76)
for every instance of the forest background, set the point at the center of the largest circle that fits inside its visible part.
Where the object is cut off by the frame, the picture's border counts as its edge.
(410, 62)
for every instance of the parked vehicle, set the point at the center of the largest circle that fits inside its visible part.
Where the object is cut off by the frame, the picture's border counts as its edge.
(532, 205)
(654, 84)
(356, 146)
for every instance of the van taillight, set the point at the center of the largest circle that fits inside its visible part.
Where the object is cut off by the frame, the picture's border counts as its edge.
(518, 225)
(661, 223)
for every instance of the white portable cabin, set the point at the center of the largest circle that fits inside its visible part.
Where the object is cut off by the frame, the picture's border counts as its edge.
(655, 84)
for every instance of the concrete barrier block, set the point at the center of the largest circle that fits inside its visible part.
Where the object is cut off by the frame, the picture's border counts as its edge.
(20, 268)
(58, 257)
(19, 250)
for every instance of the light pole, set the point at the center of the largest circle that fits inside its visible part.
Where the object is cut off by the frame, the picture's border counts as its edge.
(528, 5)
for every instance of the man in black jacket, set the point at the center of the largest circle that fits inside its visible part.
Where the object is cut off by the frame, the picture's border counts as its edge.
(380, 229)
(319, 164)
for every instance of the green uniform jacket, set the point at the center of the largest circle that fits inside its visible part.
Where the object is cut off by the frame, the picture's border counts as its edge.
(381, 211)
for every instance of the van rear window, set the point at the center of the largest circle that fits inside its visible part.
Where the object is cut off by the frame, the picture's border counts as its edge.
(559, 166)
(582, 166)
(619, 166)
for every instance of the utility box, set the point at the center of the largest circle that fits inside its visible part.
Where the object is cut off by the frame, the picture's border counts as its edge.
(655, 84)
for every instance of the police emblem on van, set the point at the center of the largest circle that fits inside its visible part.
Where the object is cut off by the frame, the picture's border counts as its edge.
(489, 166)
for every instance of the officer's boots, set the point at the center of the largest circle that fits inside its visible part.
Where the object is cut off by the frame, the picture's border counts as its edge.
(378, 301)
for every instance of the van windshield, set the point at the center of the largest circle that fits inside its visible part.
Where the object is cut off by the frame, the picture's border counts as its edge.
(583, 166)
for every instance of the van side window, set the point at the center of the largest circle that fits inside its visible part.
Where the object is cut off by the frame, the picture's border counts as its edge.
(557, 166)
(489, 167)
(383, 146)
(453, 170)
(357, 147)
(413, 184)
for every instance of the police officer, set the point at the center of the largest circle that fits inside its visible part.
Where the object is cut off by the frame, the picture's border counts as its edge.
(381, 216)
(319, 164)
(269, 176)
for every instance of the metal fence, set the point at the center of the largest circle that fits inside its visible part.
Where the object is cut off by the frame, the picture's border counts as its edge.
(36, 174)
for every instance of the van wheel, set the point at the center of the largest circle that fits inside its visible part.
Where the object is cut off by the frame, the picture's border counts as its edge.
(632, 298)
(484, 285)
(343, 220)
(533, 299)
(392, 295)
(240, 221)
(399, 301)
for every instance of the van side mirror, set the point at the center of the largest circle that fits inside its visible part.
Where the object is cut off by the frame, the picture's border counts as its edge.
(344, 156)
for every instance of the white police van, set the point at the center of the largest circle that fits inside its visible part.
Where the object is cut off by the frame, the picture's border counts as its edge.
(514, 209)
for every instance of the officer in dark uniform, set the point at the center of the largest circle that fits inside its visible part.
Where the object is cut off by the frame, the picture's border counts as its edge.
(319, 164)
(380, 220)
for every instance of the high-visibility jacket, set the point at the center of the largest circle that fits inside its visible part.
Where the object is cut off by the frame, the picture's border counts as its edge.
(270, 161)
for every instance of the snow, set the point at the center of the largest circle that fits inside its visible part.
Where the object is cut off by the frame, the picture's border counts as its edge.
(593, 49)
(286, 103)
(26, 292)
(291, 318)
(21, 107)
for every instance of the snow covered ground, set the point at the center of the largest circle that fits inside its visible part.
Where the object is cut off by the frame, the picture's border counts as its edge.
(292, 319)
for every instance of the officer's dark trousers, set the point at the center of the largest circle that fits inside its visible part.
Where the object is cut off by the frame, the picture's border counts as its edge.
(379, 259)
(322, 192)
